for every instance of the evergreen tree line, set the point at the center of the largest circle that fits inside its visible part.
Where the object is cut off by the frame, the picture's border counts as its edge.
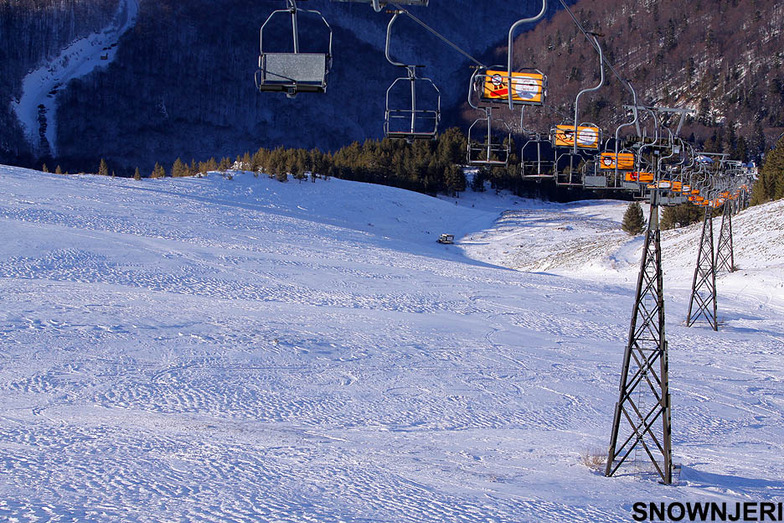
(423, 166)
(770, 185)
(426, 166)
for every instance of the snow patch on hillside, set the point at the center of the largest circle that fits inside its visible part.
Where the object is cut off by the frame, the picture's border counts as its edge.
(80, 58)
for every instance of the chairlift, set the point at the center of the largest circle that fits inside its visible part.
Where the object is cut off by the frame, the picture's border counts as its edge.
(618, 159)
(671, 175)
(623, 160)
(528, 87)
(578, 145)
(293, 72)
(672, 182)
(592, 175)
(613, 165)
(405, 115)
(525, 87)
(568, 169)
(538, 158)
(486, 147)
(412, 122)
(582, 135)
(581, 139)
(489, 86)
(585, 136)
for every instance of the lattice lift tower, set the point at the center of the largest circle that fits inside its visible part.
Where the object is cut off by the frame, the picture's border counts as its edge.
(644, 401)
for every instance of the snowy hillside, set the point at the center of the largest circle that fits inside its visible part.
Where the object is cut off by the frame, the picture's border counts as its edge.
(245, 350)
(79, 59)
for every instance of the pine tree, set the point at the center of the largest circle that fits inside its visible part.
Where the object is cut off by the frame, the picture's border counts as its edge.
(247, 162)
(633, 219)
(680, 216)
(58, 170)
(260, 159)
(158, 171)
(179, 169)
(478, 182)
(770, 185)
(137, 175)
(452, 146)
(455, 179)
(318, 164)
(103, 168)
(225, 164)
(758, 144)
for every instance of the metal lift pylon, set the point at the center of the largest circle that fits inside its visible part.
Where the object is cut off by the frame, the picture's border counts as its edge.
(725, 255)
(703, 288)
(643, 408)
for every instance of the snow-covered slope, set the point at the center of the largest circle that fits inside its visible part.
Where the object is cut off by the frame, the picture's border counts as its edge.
(80, 58)
(584, 239)
(245, 350)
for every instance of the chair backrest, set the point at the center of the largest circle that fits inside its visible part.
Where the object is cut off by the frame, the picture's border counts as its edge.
(528, 88)
(588, 136)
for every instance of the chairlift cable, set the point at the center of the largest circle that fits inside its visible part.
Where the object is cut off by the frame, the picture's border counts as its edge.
(440, 36)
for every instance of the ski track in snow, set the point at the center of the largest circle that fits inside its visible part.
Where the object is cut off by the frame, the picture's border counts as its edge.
(243, 350)
(80, 58)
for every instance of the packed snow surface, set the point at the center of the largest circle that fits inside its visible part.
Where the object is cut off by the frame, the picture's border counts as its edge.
(215, 349)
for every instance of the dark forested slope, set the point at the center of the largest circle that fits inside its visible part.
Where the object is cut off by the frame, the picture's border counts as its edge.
(722, 58)
(182, 82)
(32, 31)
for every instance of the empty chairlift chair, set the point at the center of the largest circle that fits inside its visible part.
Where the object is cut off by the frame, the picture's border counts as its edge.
(614, 165)
(487, 147)
(499, 85)
(581, 139)
(538, 158)
(412, 107)
(616, 160)
(413, 103)
(293, 71)
(525, 87)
